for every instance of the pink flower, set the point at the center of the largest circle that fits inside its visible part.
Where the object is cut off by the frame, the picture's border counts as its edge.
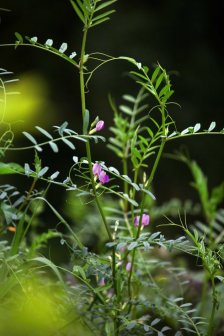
(99, 173)
(103, 177)
(145, 220)
(97, 169)
(128, 267)
(99, 125)
(102, 282)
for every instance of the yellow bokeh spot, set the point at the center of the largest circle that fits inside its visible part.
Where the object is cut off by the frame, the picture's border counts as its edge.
(37, 309)
(26, 102)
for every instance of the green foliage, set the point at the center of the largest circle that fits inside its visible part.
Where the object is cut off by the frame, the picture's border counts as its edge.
(209, 202)
(194, 130)
(212, 229)
(128, 279)
(10, 168)
(48, 46)
(158, 84)
(126, 120)
(92, 12)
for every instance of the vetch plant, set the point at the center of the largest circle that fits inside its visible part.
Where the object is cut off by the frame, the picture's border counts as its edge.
(131, 283)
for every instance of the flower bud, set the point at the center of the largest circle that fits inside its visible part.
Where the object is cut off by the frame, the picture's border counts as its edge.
(99, 125)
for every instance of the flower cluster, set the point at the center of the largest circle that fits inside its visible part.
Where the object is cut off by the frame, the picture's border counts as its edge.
(100, 173)
(145, 220)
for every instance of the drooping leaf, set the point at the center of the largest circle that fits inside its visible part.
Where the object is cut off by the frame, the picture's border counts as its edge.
(212, 126)
(126, 109)
(44, 132)
(53, 146)
(62, 128)
(54, 175)
(30, 137)
(42, 171)
(68, 143)
(129, 98)
(197, 127)
(50, 264)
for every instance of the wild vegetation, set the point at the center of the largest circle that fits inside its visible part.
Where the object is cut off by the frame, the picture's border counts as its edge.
(154, 269)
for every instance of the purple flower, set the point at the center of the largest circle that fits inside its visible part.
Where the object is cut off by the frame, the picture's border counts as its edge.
(102, 282)
(145, 220)
(103, 177)
(97, 169)
(128, 267)
(99, 125)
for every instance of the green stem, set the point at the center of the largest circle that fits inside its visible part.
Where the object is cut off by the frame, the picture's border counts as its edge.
(28, 195)
(148, 185)
(88, 152)
(134, 192)
(81, 74)
(98, 295)
(204, 294)
(125, 172)
(126, 152)
(88, 149)
(214, 307)
(151, 177)
(98, 203)
(212, 278)
(34, 214)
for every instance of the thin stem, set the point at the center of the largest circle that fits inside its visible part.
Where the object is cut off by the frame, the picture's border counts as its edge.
(125, 172)
(214, 307)
(98, 203)
(33, 215)
(134, 192)
(28, 195)
(148, 185)
(44, 48)
(80, 136)
(140, 219)
(81, 75)
(126, 154)
(88, 149)
(204, 293)
(62, 220)
(98, 295)
(151, 177)
(88, 152)
(175, 137)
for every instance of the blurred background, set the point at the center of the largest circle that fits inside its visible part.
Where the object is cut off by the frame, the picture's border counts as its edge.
(185, 37)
